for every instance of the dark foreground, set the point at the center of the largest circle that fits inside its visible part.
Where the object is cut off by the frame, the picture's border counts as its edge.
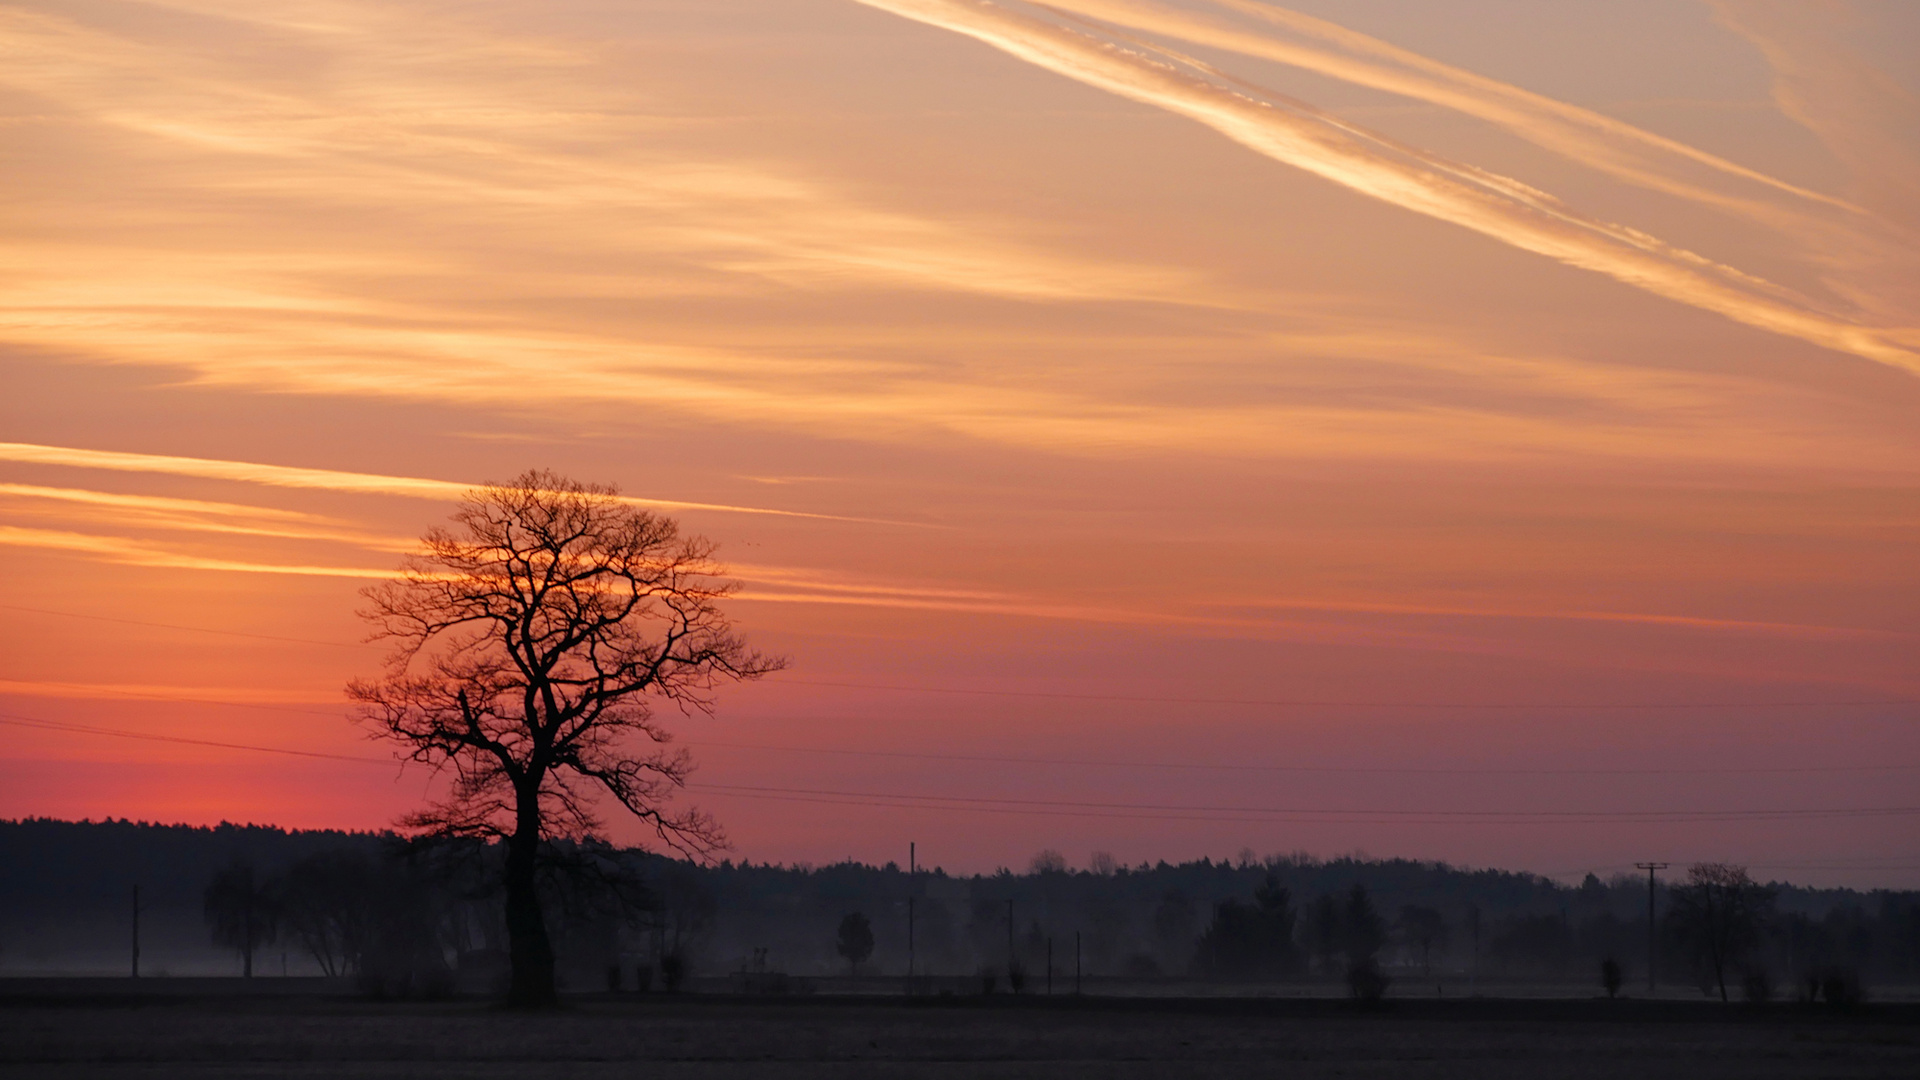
(159, 1036)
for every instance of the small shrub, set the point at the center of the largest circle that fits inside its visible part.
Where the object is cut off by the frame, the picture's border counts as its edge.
(1610, 977)
(1756, 986)
(1016, 978)
(643, 978)
(1840, 988)
(988, 981)
(673, 971)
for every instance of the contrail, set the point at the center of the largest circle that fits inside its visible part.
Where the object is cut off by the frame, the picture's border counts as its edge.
(326, 479)
(1373, 165)
(1590, 138)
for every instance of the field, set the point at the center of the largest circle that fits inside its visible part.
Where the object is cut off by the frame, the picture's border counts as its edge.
(160, 1035)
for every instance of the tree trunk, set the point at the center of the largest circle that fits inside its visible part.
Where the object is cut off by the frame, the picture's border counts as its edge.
(529, 950)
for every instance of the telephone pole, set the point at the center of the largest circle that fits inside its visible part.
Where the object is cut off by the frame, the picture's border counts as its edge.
(1012, 962)
(136, 930)
(912, 876)
(1650, 867)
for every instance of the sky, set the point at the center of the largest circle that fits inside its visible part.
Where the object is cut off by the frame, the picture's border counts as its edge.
(1482, 430)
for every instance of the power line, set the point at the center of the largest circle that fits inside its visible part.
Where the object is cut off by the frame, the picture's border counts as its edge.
(1477, 816)
(1007, 759)
(1306, 703)
(87, 729)
(1341, 769)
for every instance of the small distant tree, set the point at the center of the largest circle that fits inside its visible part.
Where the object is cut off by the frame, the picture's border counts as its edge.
(326, 907)
(1174, 927)
(1323, 932)
(1610, 977)
(241, 913)
(1048, 862)
(1252, 940)
(1718, 914)
(1424, 929)
(855, 941)
(1362, 930)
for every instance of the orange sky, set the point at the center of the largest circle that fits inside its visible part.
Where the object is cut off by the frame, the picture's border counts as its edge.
(1438, 430)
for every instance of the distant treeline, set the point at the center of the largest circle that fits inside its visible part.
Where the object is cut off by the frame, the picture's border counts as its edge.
(408, 916)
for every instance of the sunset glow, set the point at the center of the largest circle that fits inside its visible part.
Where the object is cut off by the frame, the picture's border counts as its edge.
(1484, 431)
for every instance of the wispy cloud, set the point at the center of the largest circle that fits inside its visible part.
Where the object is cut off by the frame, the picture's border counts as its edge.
(198, 515)
(1366, 162)
(225, 695)
(1591, 138)
(322, 479)
(1866, 119)
(483, 127)
(129, 552)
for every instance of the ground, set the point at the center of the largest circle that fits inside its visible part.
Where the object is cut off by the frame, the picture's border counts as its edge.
(226, 1036)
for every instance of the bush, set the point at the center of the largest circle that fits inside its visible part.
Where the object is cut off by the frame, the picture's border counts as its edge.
(1840, 988)
(1756, 986)
(1365, 983)
(1610, 977)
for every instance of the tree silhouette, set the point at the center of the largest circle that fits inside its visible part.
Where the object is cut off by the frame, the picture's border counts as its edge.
(855, 941)
(1718, 914)
(1323, 932)
(1173, 927)
(326, 907)
(528, 646)
(1424, 929)
(1252, 940)
(1362, 930)
(240, 912)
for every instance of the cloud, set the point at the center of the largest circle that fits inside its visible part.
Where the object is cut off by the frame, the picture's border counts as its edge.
(1865, 118)
(322, 479)
(117, 549)
(1363, 161)
(1590, 138)
(499, 126)
(201, 515)
(225, 695)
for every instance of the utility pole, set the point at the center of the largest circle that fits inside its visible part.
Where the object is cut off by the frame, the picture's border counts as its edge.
(1076, 963)
(1012, 962)
(1650, 867)
(1473, 927)
(1049, 965)
(913, 873)
(136, 930)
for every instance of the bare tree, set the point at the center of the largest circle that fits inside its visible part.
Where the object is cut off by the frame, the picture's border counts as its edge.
(1719, 914)
(1425, 929)
(240, 911)
(529, 644)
